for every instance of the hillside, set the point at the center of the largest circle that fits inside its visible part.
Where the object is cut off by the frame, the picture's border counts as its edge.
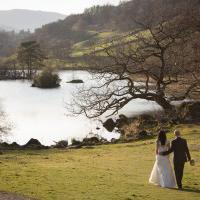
(77, 34)
(19, 19)
(67, 41)
(120, 18)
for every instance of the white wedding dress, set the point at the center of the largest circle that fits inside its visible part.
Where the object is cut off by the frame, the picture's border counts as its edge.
(162, 173)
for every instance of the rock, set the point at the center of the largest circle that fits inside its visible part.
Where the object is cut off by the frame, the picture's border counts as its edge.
(76, 81)
(91, 141)
(4, 145)
(109, 124)
(144, 134)
(61, 144)
(190, 112)
(14, 145)
(104, 141)
(123, 120)
(34, 144)
(114, 141)
(76, 142)
(87, 142)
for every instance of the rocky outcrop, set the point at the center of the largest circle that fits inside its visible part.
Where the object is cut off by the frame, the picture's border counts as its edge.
(138, 127)
(109, 124)
(121, 121)
(76, 81)
(31, 144)
(76, 142)
(34, 144)
(91, 141)
(87, 142)
(61, 144)
(114, 141)
(6, 146)
(144, 135)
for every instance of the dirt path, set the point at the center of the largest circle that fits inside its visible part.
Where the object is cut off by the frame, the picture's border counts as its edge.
(11, 196)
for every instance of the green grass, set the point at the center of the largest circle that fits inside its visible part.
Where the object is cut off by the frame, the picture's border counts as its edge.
(97, 41)
(111, 172)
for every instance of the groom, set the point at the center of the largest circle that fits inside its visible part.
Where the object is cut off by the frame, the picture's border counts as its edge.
(181, 155)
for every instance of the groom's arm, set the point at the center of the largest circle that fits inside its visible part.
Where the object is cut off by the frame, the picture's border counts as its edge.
(169, 151)
(187, 151)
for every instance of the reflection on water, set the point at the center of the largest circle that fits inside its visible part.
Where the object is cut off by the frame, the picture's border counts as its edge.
(41, 114)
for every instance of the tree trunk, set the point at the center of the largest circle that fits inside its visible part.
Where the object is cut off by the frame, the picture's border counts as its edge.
(168, 108)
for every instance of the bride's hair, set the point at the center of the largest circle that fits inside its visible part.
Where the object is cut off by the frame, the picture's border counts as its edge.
(162, 137)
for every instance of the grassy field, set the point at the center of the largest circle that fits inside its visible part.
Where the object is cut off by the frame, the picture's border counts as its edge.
(111, 172)
(97, 42)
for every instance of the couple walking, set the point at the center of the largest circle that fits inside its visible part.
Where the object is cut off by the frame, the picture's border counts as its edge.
(162, 173)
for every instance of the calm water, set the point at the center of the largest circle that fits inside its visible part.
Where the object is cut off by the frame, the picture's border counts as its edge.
(41, 114)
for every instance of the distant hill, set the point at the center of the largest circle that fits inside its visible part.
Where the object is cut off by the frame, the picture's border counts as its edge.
(19, 19)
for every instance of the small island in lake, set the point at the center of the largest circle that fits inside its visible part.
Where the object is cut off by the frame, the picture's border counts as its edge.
(76, 81)
(46, 79)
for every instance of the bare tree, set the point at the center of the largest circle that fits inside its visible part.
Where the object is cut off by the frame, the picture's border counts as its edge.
(162, 55)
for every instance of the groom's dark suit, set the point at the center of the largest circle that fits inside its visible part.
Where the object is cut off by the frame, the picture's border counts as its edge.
(181, 155)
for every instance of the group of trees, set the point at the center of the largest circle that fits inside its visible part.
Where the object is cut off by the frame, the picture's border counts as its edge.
(28, 59)
(7, 43)
(10, 40)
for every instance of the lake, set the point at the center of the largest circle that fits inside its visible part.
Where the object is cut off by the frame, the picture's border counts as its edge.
(42, 114)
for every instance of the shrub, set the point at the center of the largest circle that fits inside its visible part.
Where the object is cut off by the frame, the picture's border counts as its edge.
(46, 79)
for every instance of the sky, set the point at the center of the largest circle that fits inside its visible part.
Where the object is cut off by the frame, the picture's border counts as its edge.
(62, 6)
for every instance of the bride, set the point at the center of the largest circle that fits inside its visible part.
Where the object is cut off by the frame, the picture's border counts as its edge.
(162, 173)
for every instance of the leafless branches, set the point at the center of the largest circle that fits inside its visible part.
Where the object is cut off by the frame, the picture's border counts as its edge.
(161, 55)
